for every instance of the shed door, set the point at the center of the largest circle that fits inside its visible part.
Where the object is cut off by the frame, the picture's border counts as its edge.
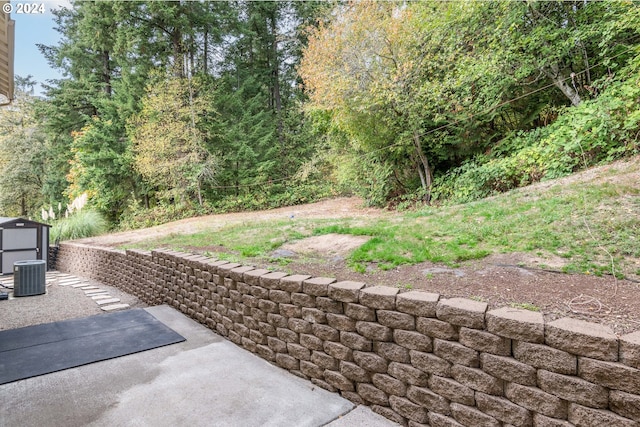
(8, 258)
(19, 238)
(18, 244)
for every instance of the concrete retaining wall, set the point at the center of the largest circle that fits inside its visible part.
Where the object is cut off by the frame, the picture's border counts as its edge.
(413, 357)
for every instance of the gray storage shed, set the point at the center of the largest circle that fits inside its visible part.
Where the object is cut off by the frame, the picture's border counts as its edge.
(22, 240)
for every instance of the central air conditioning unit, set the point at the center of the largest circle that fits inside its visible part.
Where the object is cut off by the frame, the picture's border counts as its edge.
(29, 278)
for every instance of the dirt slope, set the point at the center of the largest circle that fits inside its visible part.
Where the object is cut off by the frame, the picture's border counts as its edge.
(342, 207)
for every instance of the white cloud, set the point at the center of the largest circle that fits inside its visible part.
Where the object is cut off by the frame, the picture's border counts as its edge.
(59, 3)
(56, 4)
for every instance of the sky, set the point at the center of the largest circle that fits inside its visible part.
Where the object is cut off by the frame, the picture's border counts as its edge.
(32, 29)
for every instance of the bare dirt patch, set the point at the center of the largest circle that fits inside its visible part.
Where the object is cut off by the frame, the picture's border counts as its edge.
(328, 245)
(341, 207)
(500, 280)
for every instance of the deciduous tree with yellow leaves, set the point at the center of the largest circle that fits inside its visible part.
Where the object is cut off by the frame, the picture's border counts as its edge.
(169, 138)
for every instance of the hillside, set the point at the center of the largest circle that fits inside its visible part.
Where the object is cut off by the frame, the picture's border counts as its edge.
(567, 246)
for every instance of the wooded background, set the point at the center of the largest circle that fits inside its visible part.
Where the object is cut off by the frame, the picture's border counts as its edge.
(170, 109)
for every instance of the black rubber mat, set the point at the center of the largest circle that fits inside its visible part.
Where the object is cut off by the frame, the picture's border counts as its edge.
(42, 349)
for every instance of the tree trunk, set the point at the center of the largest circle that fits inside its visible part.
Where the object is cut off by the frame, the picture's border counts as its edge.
(560, 81)
(206, 52)
(199, 194)
(178, 54)
(275, 74)
(106, 72)
(423, 179)
(553, 71)
(192, 59)
(426, 177)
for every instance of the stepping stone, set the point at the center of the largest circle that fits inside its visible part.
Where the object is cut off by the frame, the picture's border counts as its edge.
(102, 296)
(95, 292)
(114, 307)
(107, 301)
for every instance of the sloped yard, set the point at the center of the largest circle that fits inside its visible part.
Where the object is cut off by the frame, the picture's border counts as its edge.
(565, 247)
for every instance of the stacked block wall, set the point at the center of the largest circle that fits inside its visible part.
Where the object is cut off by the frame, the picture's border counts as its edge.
(414, 357)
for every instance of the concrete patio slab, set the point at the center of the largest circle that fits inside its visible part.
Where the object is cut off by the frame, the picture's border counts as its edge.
(204, 381)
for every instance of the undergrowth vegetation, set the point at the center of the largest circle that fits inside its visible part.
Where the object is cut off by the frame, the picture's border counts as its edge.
(595, 132)
(138, 216)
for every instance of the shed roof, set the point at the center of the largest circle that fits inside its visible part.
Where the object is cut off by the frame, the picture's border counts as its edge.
(7, 220)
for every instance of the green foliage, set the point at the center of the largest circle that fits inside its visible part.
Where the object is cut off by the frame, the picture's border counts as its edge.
(136, 215)
(275, 196)
(291, 97)
(24, 154)
(596, 131)
(101, 167)
(431, 85)
(84, 223)
(367, 177)
(117, 134)
(363, 76)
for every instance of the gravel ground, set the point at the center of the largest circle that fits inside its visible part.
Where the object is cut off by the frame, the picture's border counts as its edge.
(58, 303)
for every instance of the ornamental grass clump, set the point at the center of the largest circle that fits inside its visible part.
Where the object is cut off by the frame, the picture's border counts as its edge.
(78, 223)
